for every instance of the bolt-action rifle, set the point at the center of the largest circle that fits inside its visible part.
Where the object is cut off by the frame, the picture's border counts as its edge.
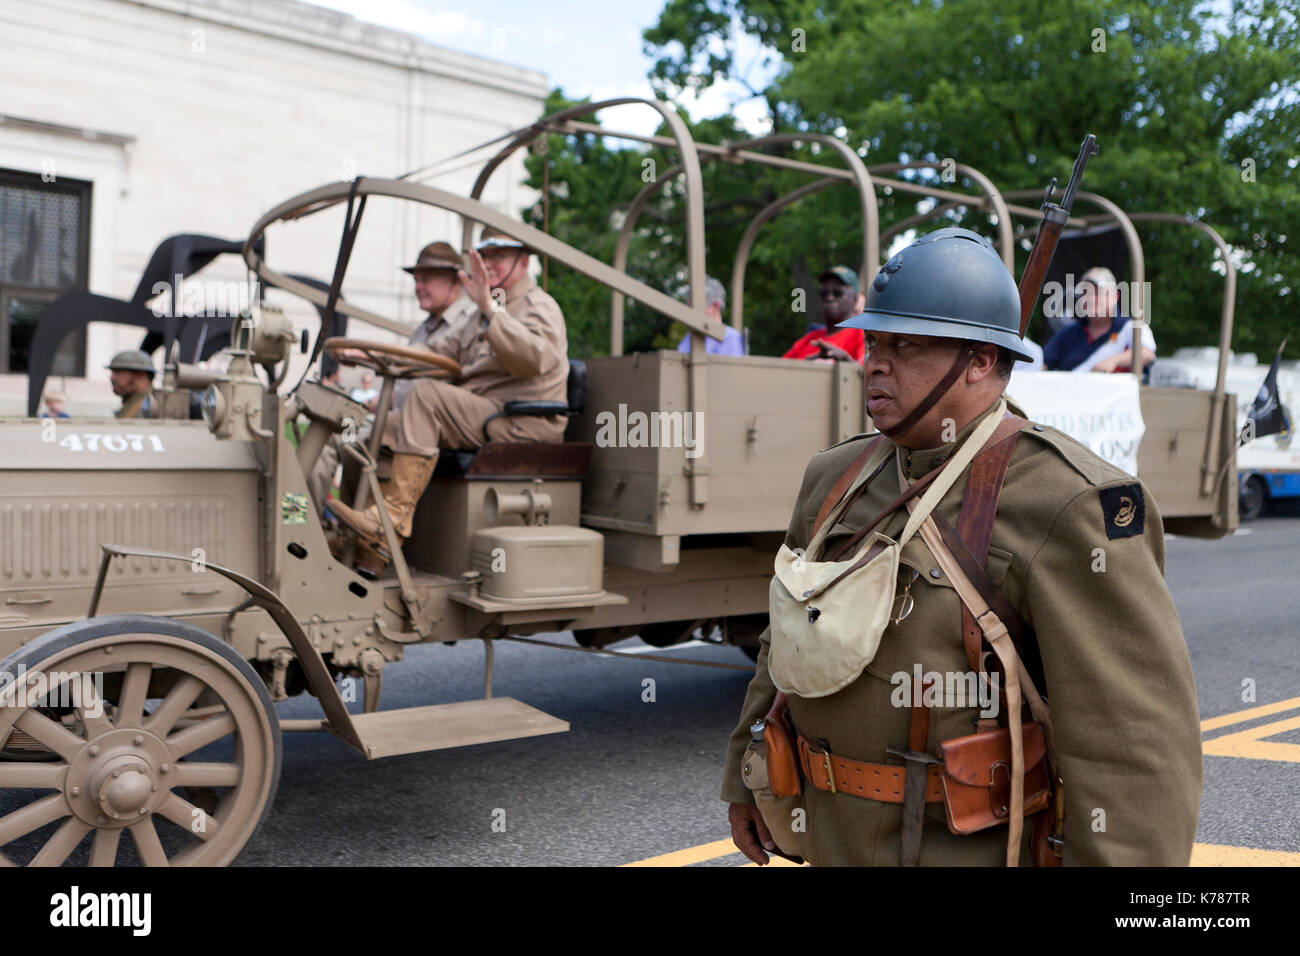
(1049, 234)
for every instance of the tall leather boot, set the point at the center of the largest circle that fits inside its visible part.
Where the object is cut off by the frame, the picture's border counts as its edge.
(411, 474)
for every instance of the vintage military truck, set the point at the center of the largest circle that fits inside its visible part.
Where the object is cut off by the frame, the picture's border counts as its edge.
(167, 581)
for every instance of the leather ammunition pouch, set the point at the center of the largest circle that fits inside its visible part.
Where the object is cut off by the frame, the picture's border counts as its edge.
(976, 778)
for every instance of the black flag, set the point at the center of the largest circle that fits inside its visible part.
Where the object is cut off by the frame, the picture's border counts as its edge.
(1267, 416)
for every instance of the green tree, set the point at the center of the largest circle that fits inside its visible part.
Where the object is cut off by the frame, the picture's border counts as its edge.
(591, 184)
(1195, 108)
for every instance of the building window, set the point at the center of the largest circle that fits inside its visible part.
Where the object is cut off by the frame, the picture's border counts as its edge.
(44, 251)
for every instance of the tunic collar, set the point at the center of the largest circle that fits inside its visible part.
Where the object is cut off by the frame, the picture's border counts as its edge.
(520, 289)
(920, 461)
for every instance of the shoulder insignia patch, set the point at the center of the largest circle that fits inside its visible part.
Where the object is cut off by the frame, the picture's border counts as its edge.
(1124, 510)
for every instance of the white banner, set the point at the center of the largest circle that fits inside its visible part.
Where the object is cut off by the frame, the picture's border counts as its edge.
(1099, 410)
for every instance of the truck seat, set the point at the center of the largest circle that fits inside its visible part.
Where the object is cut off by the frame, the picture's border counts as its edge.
(501, 459)
(526, 459)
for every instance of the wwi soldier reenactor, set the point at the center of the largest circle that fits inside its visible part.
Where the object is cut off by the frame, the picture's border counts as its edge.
(513, 347)
(1040, 574)
(132, 380)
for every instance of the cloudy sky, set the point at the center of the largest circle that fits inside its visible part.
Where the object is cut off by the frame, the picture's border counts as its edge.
(588, 47)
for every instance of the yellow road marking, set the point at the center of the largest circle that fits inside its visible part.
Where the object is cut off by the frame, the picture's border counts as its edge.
(694, 854)
(1207, 854)
(1250, 743)
(1203, 854)
(1227, 720)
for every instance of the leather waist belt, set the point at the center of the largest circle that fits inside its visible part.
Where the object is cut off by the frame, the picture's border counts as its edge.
(872, 781)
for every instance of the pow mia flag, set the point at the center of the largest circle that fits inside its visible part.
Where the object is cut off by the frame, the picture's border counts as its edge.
(1267, 416)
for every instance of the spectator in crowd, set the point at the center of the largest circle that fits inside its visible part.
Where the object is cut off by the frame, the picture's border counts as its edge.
(1100, 339)
(54, 405)
(715, 300)
(841, 298)
(366, 393)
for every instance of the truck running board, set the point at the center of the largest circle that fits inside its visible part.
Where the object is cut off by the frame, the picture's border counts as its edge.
(387, 733)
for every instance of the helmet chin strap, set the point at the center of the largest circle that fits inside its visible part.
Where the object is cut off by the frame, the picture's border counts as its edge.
(959, 365)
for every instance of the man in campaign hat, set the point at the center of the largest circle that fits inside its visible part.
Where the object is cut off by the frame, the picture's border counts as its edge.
(1071, 553)
(513, 347)
(438, 291)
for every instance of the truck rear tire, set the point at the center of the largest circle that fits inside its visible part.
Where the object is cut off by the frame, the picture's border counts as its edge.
(1253, 500)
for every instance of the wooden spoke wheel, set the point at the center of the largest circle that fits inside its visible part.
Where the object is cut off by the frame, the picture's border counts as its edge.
(389, 358)
(136, 716)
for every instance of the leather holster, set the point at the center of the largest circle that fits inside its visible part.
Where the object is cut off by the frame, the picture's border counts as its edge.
(977, 778)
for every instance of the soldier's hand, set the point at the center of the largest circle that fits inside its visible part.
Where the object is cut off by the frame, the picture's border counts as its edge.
(351, 356)
(748, 830)
(830, 350)
(476, 283)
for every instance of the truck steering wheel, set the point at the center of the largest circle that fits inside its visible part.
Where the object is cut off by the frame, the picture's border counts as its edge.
(391, 359)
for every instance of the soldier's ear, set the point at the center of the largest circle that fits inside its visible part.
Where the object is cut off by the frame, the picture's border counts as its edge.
(983, 364)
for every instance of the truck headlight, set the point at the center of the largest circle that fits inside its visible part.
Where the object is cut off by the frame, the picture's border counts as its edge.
(213, 406)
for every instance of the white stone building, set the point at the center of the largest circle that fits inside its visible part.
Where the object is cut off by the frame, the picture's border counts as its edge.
(123, 122)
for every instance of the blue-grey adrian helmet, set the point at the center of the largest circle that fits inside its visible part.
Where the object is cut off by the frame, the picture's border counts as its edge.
(950, 284)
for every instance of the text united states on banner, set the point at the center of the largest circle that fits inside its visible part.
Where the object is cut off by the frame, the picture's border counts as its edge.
(1101, 411)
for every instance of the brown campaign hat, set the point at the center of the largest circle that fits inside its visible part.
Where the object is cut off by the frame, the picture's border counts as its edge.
(436, 255)
(493, 238)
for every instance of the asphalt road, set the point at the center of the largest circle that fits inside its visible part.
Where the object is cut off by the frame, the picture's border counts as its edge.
(635, 779)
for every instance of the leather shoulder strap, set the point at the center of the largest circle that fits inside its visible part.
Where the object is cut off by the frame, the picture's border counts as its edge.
(979, 503)
(841, 486)
(969, 544)
(979, 506)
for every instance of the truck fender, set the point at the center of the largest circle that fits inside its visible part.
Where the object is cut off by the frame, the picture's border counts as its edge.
(338, 720)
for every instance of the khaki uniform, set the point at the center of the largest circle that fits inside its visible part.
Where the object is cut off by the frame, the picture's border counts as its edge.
(136, 406)
(436, 331)
(1118, 678)
(517, 353)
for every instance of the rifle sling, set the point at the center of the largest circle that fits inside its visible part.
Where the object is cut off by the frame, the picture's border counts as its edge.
(969, 544)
